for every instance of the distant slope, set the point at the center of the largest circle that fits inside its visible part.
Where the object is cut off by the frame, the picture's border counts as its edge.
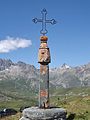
(23, 79)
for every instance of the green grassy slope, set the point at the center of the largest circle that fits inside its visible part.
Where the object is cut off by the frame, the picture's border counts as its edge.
(74, 100)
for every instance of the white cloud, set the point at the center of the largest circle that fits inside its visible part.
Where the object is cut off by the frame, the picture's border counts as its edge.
(11, 43)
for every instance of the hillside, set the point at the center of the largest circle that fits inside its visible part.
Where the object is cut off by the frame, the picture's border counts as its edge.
(69, 87)
(75, 101)
(21, 79)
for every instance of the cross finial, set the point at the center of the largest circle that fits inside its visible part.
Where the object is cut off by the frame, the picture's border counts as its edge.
(44, 21)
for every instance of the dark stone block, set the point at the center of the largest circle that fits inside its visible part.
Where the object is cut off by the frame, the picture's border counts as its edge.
(35, 113)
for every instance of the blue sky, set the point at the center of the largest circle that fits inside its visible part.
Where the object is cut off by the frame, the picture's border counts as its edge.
(69, 39)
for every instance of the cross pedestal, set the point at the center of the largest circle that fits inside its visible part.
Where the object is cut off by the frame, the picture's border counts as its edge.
(35, 113)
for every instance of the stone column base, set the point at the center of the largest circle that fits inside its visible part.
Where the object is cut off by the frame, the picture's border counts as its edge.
(35, 113)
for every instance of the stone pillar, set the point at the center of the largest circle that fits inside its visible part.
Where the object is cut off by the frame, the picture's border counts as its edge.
(44, 60)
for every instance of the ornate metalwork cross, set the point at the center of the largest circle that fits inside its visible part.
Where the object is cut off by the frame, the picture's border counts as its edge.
(44, 21)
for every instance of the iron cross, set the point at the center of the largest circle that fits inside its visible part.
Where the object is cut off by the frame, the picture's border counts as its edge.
(44, 21)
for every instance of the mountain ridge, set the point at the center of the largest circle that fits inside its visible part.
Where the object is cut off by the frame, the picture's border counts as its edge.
(64, 76)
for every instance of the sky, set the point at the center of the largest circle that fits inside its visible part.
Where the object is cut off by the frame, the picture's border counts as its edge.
(68, 40)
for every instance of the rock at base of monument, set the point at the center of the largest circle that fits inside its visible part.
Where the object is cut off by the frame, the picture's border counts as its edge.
(35, 113)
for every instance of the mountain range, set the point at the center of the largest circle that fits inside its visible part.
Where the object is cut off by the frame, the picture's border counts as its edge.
(25, 77)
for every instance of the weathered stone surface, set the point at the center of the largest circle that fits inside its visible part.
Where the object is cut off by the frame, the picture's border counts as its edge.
(35, 113)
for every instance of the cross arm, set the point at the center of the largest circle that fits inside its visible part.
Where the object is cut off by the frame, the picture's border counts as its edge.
(35, 20)
(53, 21)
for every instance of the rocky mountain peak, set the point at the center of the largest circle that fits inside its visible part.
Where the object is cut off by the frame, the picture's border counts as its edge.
(65, 66)
(5, 64)
(64, 76)
(20, 64)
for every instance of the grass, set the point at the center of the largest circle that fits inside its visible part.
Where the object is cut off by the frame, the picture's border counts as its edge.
(74, 100)
(16, 104)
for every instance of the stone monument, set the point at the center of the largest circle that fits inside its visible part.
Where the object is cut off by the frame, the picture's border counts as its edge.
(44, 60)
(44, 111)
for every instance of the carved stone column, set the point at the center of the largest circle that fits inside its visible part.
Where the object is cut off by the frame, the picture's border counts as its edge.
(44, 60)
